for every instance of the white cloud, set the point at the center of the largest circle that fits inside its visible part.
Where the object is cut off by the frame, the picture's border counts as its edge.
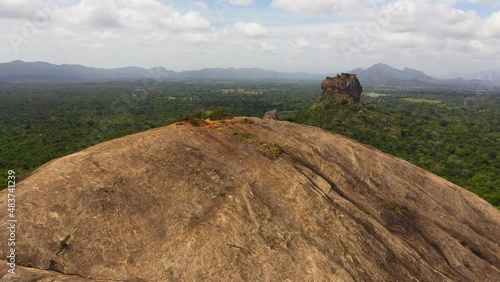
(250, 29)
(201, 38)
(407, 40)
(200, 4)
(437, 19)
(301, 43)
(104, 13)
(19, 8)
(491, 26)
(299, 35)
(491, 3)
(188, 21)
(238, 2)
(267, 47)
(156, 36)
(145, 14)
(317, 6)
(106, 35)
(62, 32)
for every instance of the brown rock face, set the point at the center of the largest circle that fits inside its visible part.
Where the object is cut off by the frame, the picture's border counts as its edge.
(247, 200)
(346, 86)
(273, 114)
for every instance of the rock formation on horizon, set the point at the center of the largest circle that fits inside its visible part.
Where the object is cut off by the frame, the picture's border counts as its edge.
(246, 199)
(345, 86)
(273, 114)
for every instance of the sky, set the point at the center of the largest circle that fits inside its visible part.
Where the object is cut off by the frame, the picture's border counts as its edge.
(439, 37)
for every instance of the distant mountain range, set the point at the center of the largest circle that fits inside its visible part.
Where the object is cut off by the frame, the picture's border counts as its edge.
(24, 72)
(374, 76)
(385, 75)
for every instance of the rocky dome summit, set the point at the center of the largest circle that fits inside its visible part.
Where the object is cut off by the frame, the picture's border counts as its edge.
(344, 86)
(247, 199)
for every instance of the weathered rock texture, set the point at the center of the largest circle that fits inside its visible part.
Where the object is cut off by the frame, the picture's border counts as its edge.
(184, 203)
(273, 114)
(346, 87)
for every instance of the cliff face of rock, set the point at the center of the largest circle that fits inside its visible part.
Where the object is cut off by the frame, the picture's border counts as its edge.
(272, 114)
(247, 200)
(345, 86)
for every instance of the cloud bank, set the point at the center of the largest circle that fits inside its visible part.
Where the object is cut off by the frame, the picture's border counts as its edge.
(437, 36)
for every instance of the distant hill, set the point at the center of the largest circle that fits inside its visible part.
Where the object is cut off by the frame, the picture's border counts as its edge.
(25, 72)
(246, 200)
(382, 74)
(385, 75)
(19, 71)
(376, 75)
(246, 73)
(490, 75)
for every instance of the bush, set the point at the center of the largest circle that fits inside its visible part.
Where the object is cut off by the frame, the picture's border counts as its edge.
(198, 114)
(63, 244)
(194, 122)
(219, 113)
(247, 121)
(272, 151)
(392, 206)
(245, 137)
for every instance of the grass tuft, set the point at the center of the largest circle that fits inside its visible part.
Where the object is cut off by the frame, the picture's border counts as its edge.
(245, 137)
(272, 151)
(63, 244)
(392, 206)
